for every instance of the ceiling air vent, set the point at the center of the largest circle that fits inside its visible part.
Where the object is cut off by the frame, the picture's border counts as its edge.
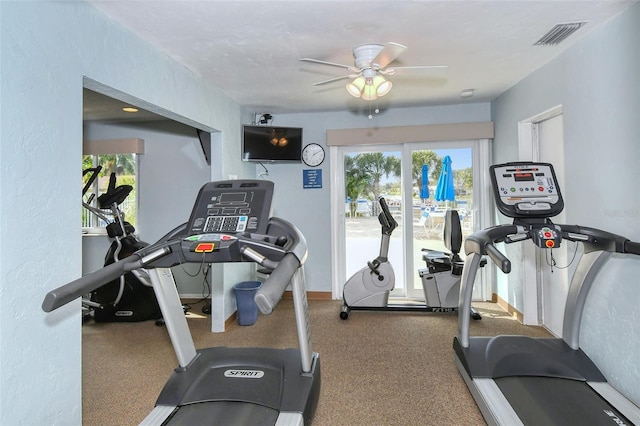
(558, 33)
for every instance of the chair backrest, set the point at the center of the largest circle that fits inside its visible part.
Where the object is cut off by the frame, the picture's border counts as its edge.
(452, 232)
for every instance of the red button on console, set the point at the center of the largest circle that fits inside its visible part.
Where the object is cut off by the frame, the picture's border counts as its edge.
(204, 248)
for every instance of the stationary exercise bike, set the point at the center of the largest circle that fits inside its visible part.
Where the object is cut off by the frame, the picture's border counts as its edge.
(369, 288)
(130, 297)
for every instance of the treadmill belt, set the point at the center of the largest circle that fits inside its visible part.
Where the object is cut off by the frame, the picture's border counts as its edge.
(554, 401)
(223, 413)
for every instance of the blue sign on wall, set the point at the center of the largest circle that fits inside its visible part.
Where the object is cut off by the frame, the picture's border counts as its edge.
(312, 178)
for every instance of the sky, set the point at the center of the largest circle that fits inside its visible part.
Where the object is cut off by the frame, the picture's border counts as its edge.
(460, 157)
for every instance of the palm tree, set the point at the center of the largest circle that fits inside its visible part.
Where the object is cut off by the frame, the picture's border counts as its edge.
(355, 182)
(463, 179)
(376, 165)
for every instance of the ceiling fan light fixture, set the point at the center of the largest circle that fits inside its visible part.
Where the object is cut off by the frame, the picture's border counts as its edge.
(355, 87)
(383, 87)
(369, 88)
(369, 92)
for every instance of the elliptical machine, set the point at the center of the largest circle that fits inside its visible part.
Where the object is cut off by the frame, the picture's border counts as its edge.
(369, 288)
(130, 297)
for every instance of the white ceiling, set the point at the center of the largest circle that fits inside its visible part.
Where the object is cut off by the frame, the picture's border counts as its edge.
(251, 49)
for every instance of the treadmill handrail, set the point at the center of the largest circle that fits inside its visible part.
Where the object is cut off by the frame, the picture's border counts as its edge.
(482, 242)
(155, 256)
(270, 293)
(77, 288)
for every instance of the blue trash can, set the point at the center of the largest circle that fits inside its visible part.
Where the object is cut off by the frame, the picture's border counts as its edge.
(247, 308)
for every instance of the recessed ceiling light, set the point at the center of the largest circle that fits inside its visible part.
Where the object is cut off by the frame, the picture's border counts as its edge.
(466, 93)
(130, 109)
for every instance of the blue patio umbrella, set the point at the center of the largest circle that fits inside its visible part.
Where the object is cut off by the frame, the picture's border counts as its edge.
(444, 190)
(424, 187)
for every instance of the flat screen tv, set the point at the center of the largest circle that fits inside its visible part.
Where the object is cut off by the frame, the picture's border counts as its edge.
(271, 144)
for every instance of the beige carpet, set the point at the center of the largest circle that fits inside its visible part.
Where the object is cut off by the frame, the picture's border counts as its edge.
(378, 368)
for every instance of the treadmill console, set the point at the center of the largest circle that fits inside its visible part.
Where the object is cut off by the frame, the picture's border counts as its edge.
(225, 213)
(526, 190)
(232, 206)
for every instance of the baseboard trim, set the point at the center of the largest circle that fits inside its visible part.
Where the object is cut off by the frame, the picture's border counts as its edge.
(232, 319)
(507, 307)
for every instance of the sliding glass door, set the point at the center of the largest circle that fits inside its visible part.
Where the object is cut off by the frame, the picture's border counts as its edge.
(407, 176)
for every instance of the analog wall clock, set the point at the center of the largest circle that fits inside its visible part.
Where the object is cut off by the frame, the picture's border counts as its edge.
(313, 155)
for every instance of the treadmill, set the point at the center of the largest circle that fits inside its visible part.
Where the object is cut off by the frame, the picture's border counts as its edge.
(519, 380)
(226, 386)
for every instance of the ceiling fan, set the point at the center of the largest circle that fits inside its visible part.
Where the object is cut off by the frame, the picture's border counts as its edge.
(371, 66)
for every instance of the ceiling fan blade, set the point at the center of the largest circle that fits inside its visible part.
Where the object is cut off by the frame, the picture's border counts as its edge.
(392, 71)
(331, 80)
(388, 54)
(333, 64)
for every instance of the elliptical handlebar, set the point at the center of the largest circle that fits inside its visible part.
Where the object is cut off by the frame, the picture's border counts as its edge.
(94, 175)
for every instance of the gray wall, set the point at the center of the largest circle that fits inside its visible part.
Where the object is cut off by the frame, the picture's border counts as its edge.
(597, 82)
(310, 209)
(171, 171)
(47, 50)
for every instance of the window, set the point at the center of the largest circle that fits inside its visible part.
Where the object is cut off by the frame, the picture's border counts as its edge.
(125, 168)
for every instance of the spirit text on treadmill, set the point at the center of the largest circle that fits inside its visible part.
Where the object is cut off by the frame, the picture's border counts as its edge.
(614, 417)
(245, 374)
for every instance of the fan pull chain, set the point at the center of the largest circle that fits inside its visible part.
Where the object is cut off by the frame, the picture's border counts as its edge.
(377, 110)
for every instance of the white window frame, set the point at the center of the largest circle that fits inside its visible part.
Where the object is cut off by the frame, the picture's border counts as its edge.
(96, 148)
(482, 190)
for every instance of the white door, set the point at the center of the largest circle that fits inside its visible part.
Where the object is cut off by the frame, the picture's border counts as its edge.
(553, 264)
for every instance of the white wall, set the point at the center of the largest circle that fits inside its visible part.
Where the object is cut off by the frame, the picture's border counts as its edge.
(597, 83)
(47, 49)
(310, 209)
